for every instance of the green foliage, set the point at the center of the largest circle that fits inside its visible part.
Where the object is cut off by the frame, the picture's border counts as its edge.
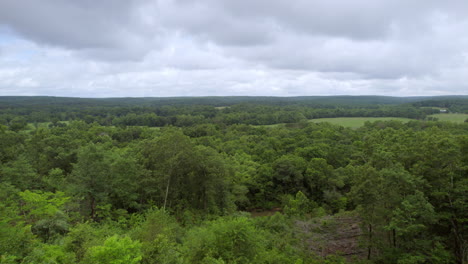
(84, 176)
(43, 210)
(161, 251)
(55, 180)
(244, 178)
(158, 232)
(115, 250)
(411, 218)
(16, 240)
(289, 173)
(17, 124)
(232, 240)
(199, 174)
(157, 222)
(20, 174)
(298, 206)
(319, 178)
(90, 178)
(37, 205)
(49, 254)
(11, 144)
(102, 177)
(83, 236)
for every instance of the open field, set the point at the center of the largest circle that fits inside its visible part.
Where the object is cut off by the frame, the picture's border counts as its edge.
(355, 122)
(33, 126)
(459, 118)
(434, 107)
(271, 126)
(352, 122)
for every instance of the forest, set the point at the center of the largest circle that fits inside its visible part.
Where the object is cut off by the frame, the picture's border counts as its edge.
(216, 180)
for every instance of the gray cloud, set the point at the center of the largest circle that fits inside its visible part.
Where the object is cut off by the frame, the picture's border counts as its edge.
(227, 47)
(99, 28)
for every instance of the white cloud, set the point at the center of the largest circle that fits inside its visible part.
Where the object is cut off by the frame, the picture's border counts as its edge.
(224, 47)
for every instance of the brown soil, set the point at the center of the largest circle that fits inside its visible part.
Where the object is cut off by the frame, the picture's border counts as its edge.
(333, 235)
(261, 212)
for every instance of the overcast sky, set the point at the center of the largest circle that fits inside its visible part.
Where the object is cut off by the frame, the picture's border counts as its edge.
(115, 48)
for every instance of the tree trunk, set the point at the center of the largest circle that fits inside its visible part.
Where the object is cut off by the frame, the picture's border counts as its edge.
(167, 192)
(459, 243)
(369, 246)
(93, 208)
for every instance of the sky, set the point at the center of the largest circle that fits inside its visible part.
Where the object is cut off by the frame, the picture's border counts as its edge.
(159, 48)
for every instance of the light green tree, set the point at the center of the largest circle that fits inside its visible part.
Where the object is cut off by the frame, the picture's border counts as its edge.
(115, 250)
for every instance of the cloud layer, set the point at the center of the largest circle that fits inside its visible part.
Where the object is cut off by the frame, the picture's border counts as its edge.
(224, 47)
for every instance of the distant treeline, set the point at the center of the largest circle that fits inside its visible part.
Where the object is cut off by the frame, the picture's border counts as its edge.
(157, 112)
(454, 105)
(20, 101)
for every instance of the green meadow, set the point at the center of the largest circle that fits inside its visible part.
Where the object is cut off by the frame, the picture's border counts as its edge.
(459, 118)
(355, 122)
(352, 122)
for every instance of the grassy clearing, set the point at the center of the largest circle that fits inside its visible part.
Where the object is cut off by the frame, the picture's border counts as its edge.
(352, 122)
(270, 126)
(434, 107)
(355, 122)
(33, 126)
(458, 118)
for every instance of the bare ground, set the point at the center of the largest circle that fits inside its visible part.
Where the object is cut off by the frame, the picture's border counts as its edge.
(332, 235)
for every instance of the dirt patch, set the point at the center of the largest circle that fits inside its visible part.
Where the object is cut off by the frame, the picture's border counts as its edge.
(260, 212)
(333, 235)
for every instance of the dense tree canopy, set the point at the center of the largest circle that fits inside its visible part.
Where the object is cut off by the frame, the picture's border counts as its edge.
(105, 184)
